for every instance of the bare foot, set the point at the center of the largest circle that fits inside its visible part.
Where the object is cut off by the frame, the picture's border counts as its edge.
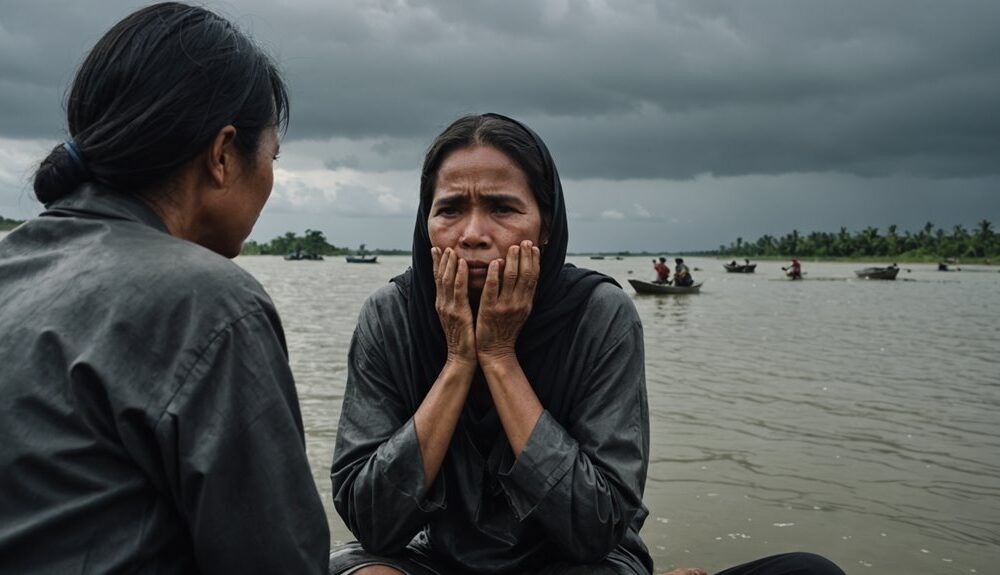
(686, 571)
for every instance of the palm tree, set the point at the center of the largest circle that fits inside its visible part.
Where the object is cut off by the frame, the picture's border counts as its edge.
(868, 242)
(984, 239)
(892, 241)
(960, 240)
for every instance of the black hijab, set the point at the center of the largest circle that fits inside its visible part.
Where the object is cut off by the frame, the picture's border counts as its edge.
(560, 297)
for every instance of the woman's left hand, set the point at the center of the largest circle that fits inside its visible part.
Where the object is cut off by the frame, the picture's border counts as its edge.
(505, 305)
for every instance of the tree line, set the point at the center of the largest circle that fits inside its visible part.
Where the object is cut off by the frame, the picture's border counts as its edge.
(927, 243)
(313, 242)
(7, 225)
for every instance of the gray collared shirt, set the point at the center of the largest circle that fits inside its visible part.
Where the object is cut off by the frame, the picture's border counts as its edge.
(148, 418)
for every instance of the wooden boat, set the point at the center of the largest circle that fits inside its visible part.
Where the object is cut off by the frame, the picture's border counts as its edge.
(886, 273)
(354, 259)
(303, 256)
(663, 289)
(362, 257)
(740, 268)
(597, 257)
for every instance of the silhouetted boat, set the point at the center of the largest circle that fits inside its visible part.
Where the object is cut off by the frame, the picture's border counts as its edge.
(740, 268)
(886, 273)
(362, 257)
(303, 256)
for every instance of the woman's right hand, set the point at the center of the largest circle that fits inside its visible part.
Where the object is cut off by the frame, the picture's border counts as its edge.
(451, 278)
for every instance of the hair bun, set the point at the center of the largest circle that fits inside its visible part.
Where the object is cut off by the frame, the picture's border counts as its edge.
(58, 175)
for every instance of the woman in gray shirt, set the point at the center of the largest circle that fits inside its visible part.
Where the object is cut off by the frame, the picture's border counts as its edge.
(148, 418)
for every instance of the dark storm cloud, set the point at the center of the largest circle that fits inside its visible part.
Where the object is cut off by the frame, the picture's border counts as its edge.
(620, 89)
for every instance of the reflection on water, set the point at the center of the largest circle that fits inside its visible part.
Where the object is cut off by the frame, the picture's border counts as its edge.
(673, 310)
(849, 417)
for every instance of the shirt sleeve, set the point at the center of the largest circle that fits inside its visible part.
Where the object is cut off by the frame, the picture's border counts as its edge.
(234, 452)
(378, 471)
(583, 483)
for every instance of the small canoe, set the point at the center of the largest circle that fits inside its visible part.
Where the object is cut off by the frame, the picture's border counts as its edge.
(298, 256)
(663, 289)
(362, 259)
(888, 273)
(740, 268)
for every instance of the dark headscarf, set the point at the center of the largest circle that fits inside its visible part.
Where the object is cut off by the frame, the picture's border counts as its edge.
(560, 296)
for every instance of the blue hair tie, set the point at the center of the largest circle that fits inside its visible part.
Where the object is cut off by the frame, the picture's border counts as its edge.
(74, 153)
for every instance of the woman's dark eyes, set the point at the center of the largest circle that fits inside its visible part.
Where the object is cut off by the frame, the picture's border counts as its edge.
(501, 209)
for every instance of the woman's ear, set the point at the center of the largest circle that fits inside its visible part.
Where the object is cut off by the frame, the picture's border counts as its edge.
(222, 157)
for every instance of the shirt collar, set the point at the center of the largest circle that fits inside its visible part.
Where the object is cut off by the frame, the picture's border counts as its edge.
(95, 201)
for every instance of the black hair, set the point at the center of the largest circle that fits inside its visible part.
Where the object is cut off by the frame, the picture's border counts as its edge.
(503, 134)
(152, 94)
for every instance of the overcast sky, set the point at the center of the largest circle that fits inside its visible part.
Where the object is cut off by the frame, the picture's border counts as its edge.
(676, 125)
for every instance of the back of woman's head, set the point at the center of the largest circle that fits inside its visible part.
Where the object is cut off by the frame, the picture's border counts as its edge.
(152, 94)
(501, 133)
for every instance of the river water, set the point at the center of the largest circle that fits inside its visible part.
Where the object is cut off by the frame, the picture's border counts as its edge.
(857, 419)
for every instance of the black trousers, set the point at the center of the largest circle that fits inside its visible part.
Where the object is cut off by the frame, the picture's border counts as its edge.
(348, 558)
(786, 564)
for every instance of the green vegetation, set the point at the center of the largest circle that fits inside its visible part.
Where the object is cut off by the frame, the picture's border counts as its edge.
(313, 242)
(7, 225)
(927, 244)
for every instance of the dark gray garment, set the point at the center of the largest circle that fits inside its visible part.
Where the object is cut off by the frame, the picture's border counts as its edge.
(148, 417)
(575, 493)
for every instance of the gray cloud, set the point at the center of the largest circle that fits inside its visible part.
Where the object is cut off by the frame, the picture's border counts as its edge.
(620, 89)
(683, 107)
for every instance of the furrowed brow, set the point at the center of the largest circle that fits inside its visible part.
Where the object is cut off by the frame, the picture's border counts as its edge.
(502, 198)
(452, 201)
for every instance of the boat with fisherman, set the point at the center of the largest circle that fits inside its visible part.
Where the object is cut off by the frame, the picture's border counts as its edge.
(644, 287)
(744, 268)
(362, 257)
(302, 255)
(879, 273)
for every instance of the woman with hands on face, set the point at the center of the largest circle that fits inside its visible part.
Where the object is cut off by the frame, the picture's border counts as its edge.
(495, 416)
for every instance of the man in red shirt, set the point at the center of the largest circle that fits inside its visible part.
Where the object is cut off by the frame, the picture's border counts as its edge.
(662, 271)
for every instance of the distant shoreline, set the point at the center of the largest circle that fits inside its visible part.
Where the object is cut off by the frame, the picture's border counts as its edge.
(859, 259)
(868, 259)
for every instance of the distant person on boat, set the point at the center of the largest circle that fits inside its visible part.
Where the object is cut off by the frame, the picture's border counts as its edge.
(794, 271)
(149, 421)
(495, 416)
(662, 271)
(682, 274)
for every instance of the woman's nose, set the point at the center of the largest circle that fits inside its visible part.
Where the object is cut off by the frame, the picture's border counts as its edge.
(475, 232)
